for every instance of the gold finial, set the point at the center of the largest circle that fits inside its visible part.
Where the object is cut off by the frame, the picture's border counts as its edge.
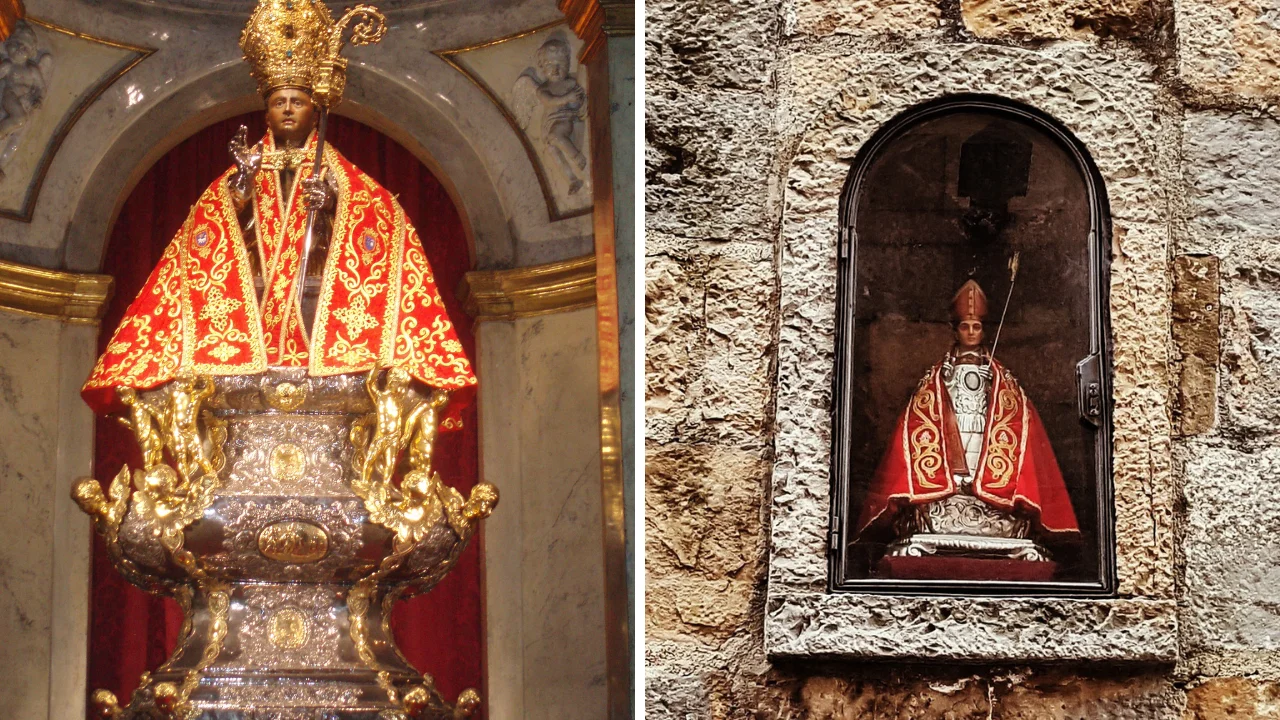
(296, 43)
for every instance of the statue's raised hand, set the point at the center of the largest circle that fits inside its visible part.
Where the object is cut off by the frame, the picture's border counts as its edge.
(248, 160)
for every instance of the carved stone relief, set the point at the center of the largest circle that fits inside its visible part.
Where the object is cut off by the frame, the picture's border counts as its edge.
(48, 76)
(536, 81)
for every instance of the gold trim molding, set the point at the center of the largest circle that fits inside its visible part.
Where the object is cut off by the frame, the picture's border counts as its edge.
(529, 291)
(78, 298)
(594, 20)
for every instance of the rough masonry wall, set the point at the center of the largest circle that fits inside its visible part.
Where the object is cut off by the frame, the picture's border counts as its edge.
(714, 166)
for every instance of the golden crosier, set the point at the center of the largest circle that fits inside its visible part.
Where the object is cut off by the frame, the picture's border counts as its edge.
(296, 43)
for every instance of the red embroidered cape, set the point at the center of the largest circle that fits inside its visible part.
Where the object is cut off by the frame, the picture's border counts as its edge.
(198, 313)
(1016, 471)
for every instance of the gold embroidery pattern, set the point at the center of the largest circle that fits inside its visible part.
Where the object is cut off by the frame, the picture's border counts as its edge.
(925, 437)
(220, 285)
(281, 314)
(141, 348)
(362, 277)
(425, 339)
(198, 313)
(1002, 437)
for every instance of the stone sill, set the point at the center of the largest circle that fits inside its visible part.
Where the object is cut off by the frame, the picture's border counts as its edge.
(857, 626)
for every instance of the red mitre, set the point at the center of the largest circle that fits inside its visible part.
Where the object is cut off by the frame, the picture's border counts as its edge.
(1017, 470)
(970, 303)
(198, 313)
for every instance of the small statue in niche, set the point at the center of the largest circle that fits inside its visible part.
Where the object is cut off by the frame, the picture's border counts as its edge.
(551, 91)
(969, 471)
(25, 72)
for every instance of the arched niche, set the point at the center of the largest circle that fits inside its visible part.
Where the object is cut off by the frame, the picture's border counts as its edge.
(947, 192)
(372, 98)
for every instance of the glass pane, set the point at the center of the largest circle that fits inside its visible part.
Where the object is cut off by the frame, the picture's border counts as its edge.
(961, 467)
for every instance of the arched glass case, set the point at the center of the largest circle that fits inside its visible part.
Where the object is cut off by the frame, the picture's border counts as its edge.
(972, 419)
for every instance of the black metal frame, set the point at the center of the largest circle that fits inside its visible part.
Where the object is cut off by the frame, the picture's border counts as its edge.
(1100, 348)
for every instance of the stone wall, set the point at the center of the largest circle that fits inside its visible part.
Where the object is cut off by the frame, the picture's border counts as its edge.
(726, 130)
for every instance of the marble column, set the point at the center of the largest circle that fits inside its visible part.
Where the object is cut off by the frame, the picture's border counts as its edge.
(544, 565)
(47, 441)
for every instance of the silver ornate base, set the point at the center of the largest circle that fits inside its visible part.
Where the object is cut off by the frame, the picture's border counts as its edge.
(972, 546)
(286, 547)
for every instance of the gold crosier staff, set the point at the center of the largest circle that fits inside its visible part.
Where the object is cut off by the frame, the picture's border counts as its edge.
(1013, 276)
(330, 82)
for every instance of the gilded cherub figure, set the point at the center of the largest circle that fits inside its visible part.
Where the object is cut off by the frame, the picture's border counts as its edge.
(143, 421)
(549, 89)
(422, 426)
(388, 433)
(185, 400)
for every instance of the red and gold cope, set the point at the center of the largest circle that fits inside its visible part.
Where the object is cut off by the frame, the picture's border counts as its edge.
(198, 313)
(1017, 470)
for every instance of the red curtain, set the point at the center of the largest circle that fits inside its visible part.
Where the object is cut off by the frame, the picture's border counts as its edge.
(440, 632)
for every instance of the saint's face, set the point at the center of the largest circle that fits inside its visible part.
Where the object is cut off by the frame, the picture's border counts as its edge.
(969, 334)
(290, 115)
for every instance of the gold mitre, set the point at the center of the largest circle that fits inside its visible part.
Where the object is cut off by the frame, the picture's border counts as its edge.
(296, 43)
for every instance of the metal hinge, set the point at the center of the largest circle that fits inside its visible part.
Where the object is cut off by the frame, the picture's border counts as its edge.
(833, 539)
(845, 234)
(1089, 389)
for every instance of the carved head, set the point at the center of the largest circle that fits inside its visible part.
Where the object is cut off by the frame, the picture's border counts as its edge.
(484, 498)
(968, 309)
(398, 379)
(166, 696)
(415, 701)
(21, 45)
(105, 704)
(467, 704)
(553, 59)
(291, 115)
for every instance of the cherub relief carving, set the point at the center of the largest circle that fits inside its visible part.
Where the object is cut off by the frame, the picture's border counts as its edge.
(550, 92)
(25, 72)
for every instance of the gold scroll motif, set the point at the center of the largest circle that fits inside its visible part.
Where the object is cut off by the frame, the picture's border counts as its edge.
(926, 439)
(1002, 443)
(293, 542)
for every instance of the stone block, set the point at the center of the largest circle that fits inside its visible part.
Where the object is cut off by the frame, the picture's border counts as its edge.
(1229, 161)
(1195, 340)
(709, 326)
(822, 18)
(1231, 548)
(1229, 49)
(952, 693)
(984, 630)
(1233, 699)
(728, 44)
(708, 156)
(1050, 19)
